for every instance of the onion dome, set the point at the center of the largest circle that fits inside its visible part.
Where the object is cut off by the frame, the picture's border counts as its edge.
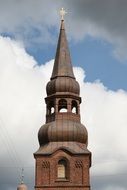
(22, 186)
(61, 84)
(62, 131)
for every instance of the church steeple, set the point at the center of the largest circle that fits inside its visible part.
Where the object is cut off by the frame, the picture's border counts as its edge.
(62, 160)
(22, 186)
(62, 65)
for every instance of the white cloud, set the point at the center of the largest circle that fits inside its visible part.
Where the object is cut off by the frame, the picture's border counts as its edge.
(22, 112)
(22, 85)
(105, 118)
(29, 21)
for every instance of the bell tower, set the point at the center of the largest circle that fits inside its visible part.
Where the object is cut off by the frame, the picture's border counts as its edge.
(63, 160)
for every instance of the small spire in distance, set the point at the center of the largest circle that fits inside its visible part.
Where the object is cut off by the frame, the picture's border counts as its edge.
(22, 176)
(62, 13)
(22, 186)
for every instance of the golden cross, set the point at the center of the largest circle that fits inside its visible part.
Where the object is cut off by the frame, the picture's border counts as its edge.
(62, 13)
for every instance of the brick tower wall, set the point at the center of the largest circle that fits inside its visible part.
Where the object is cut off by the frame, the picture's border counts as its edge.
(77, 172)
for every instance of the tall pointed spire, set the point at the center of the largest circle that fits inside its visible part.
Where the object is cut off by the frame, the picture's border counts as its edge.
(22, 186)
(62, 65)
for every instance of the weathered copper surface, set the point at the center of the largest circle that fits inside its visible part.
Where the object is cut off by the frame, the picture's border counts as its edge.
(62, 65)
(62, 130)
(72, 147)
(63, 84)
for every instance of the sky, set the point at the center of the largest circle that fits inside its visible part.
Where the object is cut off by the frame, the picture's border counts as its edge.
(97, 34)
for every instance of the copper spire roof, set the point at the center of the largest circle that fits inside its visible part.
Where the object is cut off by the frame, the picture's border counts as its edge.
(63, 124)
(62, 65)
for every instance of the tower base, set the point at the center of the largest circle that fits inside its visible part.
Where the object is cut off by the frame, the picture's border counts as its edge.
(62, 170)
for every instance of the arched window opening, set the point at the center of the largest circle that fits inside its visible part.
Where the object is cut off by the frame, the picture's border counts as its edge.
(51, 108)
(62, 169)
(62, 110)
(74, 110)
(62, 106)
(74, 107)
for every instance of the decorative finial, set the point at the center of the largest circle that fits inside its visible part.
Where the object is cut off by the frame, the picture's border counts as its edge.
(22, 176)
(62, 13)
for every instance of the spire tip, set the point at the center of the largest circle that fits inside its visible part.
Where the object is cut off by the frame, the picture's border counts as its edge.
(62, 13)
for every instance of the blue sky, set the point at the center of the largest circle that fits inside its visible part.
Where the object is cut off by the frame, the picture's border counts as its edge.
(95, 56)
(97, 34)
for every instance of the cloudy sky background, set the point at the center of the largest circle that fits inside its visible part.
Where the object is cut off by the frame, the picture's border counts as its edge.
(97, 34)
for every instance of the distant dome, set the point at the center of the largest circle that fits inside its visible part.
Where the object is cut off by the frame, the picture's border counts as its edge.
(62, 131)
(63, 84)
(22, 187)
